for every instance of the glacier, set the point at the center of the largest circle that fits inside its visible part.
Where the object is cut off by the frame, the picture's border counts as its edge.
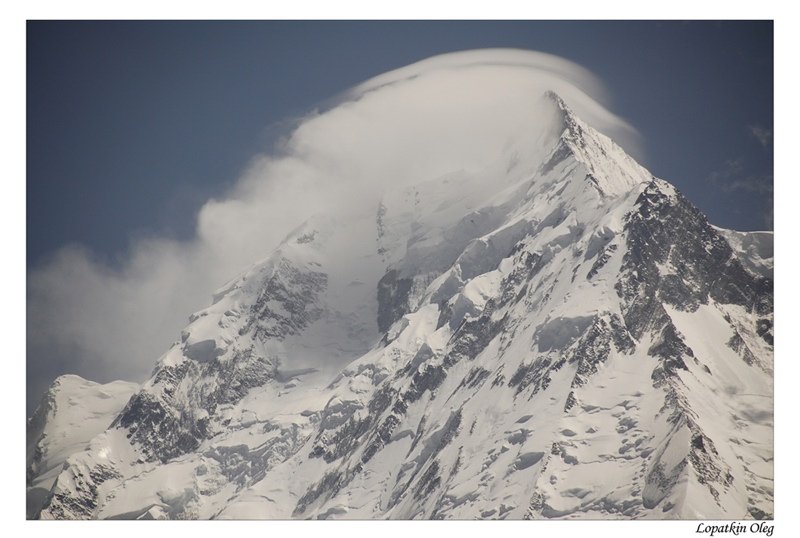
(555, 335)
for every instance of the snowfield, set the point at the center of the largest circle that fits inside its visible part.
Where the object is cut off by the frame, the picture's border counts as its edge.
(557, 335)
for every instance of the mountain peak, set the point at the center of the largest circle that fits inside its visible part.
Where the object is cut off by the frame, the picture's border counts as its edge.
(558, 101)
(534, 339)
(608, 167)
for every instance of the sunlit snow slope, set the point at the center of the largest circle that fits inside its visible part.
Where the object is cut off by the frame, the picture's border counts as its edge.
(72, 412)
(558, 335)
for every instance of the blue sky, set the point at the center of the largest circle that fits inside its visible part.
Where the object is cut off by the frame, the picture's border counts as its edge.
(133, 126)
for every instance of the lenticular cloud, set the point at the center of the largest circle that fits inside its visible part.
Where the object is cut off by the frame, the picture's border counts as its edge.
(449, 113)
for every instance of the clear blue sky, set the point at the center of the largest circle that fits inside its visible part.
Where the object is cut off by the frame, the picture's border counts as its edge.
(133, 125)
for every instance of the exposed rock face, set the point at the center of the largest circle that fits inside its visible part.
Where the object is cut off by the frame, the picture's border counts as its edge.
(574, 342)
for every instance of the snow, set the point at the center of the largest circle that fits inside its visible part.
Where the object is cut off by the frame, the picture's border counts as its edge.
(733, 404)
(754, 249)
(78, 411)
(478, 421)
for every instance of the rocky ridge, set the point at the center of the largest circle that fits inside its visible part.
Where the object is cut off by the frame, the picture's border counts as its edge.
(556, 337)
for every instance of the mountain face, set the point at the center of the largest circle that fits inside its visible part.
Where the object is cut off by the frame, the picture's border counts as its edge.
(72, 412)
(559, 335)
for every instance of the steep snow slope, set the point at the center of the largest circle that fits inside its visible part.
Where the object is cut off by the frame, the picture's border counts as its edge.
(72, 412)
(753, 249)
(558, 335)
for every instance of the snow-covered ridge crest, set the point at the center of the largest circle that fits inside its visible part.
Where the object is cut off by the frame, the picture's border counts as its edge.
(567, 159)
(754, 249)
(610, 168)
(72, 412)
(555, 334)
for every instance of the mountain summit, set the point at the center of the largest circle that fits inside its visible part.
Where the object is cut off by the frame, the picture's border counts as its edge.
(556, 335)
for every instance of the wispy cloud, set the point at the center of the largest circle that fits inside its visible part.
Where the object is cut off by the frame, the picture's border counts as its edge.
(732, 177)
(769, 215)
(730, 169)
(759, 184)
(452, 112)
(762, 134)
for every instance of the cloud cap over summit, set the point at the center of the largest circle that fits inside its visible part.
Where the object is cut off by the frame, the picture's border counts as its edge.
(452, 112)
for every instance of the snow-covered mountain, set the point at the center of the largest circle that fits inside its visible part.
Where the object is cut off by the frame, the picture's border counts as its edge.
(72, 412)
(557, 335)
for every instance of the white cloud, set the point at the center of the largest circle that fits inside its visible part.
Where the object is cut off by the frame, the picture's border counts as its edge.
(732, 177)
(731, 169)
(456, 111)
(762, 134)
